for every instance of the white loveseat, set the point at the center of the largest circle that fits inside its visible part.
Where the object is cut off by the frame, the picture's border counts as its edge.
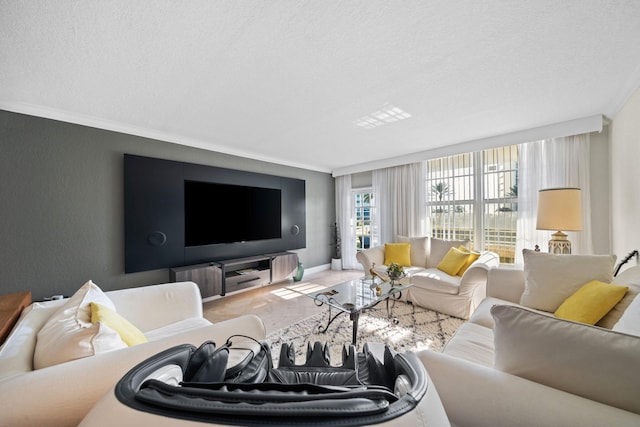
(517, 366)
(62, 394)
(433, 288)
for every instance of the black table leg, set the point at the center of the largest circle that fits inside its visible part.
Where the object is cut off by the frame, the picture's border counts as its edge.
(355, 315)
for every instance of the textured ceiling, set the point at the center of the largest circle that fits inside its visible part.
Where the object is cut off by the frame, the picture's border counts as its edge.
(284, 81)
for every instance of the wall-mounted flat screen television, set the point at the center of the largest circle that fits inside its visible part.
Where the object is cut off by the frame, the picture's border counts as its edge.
(223, 213)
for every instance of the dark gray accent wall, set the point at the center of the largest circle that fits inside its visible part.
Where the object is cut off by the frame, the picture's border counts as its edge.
(61, 204)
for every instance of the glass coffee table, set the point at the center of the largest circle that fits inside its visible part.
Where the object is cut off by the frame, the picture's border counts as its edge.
(354, 297)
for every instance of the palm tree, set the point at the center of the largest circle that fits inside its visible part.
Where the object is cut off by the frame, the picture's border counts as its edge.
(440, 189)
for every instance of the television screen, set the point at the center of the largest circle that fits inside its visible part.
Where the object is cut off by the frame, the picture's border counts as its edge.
(223, 213)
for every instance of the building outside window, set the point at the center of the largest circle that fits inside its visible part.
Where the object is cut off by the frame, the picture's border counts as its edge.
(474, 196)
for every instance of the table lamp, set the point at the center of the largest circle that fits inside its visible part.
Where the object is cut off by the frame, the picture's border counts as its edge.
(559, 209)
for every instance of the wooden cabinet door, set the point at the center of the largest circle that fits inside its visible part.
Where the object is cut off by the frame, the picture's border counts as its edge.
(283, 266)
(207, 277)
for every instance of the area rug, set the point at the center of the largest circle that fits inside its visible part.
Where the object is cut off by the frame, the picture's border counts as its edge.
(412, 328)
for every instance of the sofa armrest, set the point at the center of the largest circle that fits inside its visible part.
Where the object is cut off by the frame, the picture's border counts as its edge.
(368, 257)
(480, 396)
(477, 273)
(63, 394)
(155, 306)
(506, 283)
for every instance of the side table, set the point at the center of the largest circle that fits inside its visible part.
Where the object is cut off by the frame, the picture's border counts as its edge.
(11, 306)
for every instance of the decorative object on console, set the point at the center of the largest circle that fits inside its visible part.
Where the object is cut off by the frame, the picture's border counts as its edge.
(559, 209)
(299, 272)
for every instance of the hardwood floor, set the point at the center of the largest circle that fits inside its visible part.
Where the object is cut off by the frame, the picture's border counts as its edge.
(275, 305)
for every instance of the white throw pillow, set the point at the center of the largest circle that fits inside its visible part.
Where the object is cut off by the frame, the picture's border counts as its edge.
(69, 333)
(584, 360)
(419, 251)
(439, 249)
(629, 323)
(550, 278)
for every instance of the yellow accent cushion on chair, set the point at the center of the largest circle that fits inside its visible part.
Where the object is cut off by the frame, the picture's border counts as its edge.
(453, 261)
(591, 302)
(400, 253)
(471, 257)
(129, 333)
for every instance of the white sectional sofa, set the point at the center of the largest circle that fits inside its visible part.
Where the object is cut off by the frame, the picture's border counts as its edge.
(62, 394)
(433, 288)
(513, 365)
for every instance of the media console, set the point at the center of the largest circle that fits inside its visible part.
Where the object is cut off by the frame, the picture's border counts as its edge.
(224, 276)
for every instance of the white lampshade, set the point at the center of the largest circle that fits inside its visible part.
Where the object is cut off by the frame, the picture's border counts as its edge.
(559, 209)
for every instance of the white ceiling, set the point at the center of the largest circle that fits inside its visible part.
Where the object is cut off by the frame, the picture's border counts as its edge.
(284, 81)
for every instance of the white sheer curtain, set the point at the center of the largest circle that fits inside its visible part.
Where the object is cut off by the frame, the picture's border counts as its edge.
(551, 163)
(399, 195)
(344, 218)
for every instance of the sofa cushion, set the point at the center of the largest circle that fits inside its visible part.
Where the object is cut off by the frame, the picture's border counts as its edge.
(176, 328)
(473, 343)
(69, 334)
(482, 315)
(419, 251)
(127, 331)
(591, 302)
(472, 256)
(585, 360)
(439, 249)
(436, 280)
(398, 253)
(629, 323)
(550, 279)
(453, 261)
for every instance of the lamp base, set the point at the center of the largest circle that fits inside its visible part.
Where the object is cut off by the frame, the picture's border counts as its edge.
(559, 244)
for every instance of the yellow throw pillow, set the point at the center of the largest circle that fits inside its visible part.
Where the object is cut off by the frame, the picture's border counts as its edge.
(591, 302)
(400, 253)
(129, 333)
(453, 261)
(471, 257)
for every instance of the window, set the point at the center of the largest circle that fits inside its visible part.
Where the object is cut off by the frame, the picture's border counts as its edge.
(364, 203)
(474, 196)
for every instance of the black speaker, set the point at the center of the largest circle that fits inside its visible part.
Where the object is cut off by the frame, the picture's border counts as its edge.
(157, 238)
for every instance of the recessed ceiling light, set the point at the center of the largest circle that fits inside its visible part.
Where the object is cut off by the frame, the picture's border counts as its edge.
(387, 114)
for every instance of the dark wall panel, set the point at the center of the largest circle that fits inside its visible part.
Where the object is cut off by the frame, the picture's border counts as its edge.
(153, 216)
(154, 213)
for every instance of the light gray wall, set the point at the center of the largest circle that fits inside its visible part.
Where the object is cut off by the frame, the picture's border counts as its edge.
(600, 183)
(625, 177)
(61, 204)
